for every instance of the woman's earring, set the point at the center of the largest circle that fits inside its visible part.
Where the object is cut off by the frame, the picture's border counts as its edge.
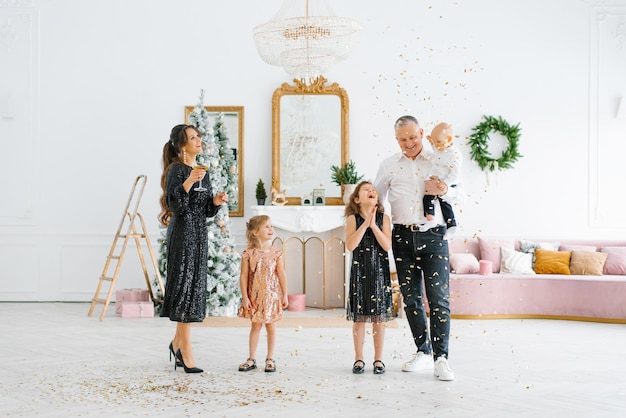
(184, 157)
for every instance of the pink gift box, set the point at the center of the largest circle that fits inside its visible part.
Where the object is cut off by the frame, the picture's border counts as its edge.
(130, 295)
(137, 310)
(296, 302)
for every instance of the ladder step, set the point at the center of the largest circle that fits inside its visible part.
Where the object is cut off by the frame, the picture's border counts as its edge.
(131, 232)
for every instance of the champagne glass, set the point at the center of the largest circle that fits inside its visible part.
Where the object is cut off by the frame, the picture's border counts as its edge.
(200, 167)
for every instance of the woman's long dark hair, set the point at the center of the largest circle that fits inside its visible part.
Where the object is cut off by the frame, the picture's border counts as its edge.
(171, 154)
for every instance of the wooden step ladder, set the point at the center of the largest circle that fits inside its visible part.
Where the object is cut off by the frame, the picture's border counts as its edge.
(120, 242)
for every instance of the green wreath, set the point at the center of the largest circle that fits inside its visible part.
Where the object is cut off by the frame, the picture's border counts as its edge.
(478, 142)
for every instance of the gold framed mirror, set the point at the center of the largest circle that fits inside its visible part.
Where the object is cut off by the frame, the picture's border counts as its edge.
(309, 135)
(232, 119)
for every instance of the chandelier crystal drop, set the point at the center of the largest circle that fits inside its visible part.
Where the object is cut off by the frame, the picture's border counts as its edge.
(305, 38)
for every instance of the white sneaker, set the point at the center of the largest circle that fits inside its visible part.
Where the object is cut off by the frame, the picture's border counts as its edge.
(420, 361)
(428, 225)
(443, 370)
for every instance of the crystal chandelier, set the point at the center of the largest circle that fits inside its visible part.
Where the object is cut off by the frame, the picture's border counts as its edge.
(306, 38)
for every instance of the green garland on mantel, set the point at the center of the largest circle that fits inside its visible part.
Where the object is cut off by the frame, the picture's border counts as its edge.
(478, 141)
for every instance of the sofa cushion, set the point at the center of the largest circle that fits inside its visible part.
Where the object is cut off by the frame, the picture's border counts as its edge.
(577, 247)
(490, 249)
(463, 263)
(588, 263)
(464, 246)
(552, 262)
(515, 262)
(615, 261)
(529, 247)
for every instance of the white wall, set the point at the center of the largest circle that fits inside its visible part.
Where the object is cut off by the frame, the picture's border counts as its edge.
(90, 89)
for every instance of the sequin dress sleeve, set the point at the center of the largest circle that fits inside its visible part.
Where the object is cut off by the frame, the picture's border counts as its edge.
(186, 247)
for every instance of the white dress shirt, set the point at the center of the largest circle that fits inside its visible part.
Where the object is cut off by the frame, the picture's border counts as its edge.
(400, 181)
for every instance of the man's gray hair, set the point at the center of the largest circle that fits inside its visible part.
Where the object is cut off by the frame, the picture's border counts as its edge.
(405, 120)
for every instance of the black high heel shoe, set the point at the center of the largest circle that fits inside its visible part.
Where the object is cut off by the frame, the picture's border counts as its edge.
(179, 356)
(172, 353)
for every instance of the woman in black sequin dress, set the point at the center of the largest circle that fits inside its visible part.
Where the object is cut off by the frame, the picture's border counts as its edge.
(368, 237)
(184, 212)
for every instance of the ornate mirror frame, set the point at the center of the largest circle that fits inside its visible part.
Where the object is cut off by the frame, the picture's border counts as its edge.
(233, 123)
(317, 88)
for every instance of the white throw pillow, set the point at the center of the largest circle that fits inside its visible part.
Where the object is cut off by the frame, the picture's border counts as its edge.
(515, 262)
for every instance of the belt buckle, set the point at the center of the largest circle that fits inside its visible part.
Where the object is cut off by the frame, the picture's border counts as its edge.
(414, 228)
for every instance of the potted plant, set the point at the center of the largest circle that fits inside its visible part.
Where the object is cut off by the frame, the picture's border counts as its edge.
(346, 177)
(261, 193)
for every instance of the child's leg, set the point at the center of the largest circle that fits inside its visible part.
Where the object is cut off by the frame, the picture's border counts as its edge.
(271, 339)
(429, 206)
(379, 339)
(255, 331)
(270, 364)
(429, 212)
(448, 215)
(358, 336)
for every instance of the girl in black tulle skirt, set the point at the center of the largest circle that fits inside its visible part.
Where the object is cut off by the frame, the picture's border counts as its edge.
(368, 236)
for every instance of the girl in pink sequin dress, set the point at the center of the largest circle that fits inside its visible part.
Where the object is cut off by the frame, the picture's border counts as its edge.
(263, 288)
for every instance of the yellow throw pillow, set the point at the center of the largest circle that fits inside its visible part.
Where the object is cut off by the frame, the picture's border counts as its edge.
(588, 263)
(552, 262)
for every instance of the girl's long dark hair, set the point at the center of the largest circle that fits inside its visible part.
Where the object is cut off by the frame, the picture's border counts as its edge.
(352, 208)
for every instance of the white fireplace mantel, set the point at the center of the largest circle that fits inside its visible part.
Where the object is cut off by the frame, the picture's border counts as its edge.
(299, 219)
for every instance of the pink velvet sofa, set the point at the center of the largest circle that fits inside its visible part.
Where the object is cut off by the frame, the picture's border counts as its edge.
(596, 293)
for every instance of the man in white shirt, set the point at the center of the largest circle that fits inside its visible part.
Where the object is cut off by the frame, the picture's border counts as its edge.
(419, 256)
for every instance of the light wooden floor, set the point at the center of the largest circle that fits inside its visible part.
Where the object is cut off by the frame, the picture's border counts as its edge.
(57, 361)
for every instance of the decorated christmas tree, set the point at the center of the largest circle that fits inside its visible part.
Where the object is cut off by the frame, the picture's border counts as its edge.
(223, 262)
(228, 162)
